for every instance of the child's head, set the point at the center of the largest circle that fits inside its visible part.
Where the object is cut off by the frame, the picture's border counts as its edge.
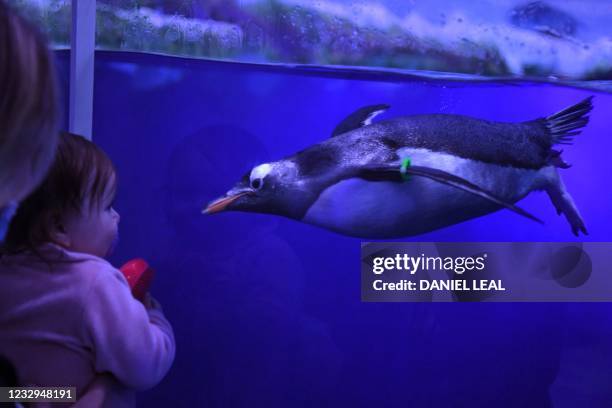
(73, 205)
(28, 107)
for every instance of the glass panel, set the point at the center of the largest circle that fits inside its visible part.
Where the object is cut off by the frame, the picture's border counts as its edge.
(564, 40)
(266, 309)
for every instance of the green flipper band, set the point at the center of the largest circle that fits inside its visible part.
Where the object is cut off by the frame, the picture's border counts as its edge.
(405, 164)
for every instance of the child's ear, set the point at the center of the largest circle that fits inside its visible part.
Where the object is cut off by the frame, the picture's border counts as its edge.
(58, 232)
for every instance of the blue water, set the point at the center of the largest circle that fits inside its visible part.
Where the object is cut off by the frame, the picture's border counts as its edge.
(267, 311)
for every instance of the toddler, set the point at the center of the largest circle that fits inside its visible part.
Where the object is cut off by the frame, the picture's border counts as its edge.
(67, 316)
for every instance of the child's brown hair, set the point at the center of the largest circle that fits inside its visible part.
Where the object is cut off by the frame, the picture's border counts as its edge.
(28, 106)
(81, 172)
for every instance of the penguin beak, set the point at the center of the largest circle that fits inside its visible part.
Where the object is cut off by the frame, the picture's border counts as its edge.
(222, 203)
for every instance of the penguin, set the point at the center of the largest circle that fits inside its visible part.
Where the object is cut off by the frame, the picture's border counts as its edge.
(413, 174)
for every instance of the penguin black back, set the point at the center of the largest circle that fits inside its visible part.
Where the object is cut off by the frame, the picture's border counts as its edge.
(523, 145)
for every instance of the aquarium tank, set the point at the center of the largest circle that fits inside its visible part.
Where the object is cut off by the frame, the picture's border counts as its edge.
(191, 95)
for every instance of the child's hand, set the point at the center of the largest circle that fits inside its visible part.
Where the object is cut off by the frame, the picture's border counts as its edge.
(147, 301)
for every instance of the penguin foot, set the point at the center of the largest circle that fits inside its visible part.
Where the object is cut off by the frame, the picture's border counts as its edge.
(564, 204)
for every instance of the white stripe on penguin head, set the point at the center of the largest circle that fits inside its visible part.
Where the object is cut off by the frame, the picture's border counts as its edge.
(260, 171)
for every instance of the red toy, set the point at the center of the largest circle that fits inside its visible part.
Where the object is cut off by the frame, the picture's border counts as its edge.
(139, 276)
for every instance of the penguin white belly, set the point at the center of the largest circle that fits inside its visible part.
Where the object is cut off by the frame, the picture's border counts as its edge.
(381, 209)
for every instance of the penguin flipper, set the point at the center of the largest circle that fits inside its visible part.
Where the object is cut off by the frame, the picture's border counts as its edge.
(388, 173)
(361, 117)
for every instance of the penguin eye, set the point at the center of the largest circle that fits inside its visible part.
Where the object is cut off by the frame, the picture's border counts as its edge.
(256, 183)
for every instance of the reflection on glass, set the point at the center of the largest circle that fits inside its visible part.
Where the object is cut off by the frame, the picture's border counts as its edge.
(53, 17)
(511, 38)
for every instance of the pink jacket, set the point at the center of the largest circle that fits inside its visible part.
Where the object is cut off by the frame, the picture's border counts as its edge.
(64, 322)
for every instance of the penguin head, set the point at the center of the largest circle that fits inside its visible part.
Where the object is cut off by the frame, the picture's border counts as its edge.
(273, 188)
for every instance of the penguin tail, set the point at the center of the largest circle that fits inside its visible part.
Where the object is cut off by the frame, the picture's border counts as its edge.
(564, 125)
